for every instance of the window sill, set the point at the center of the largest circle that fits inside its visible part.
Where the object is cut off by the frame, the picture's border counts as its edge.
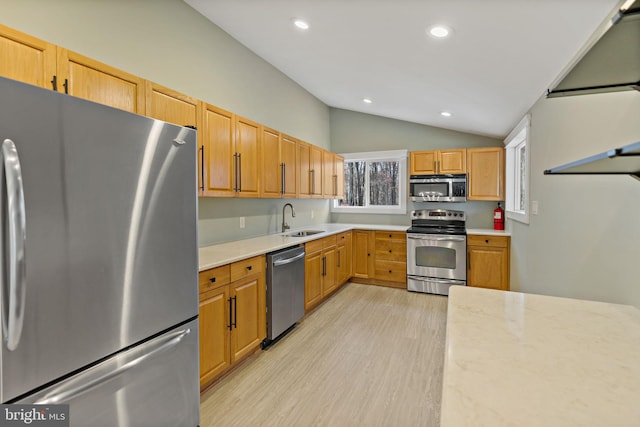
(517, 216)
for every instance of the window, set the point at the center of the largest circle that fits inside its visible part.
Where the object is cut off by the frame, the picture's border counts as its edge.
(517, 177)
(374, 182)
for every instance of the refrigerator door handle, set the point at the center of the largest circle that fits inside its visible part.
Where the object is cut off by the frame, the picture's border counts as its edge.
(64, 396)
(16, 219)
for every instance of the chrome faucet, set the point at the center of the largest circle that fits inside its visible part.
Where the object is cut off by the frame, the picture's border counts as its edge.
(285, 226)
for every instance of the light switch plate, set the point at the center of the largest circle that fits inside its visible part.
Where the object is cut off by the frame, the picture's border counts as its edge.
(241, 222)
(534, 207)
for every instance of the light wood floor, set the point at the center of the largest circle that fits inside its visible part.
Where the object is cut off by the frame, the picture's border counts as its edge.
(369, 356)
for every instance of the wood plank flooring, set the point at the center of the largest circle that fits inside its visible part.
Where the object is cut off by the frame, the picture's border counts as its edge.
(369, 356)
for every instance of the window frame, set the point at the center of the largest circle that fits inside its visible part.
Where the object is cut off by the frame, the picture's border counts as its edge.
(518, 138)
(378, 156)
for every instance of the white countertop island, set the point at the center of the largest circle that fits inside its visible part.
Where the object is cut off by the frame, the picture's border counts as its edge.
(515, 359)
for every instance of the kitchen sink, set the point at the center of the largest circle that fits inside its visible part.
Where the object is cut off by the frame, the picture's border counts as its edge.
(304, 233)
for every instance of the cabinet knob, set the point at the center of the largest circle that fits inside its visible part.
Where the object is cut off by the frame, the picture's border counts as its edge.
(486, 241)
(389, 250)
(389, 235)
(368, 254)
(249, 267)
(389, 271)
(212, 279)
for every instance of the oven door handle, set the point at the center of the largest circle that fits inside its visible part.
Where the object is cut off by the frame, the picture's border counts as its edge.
(439, 239)
(435, 280)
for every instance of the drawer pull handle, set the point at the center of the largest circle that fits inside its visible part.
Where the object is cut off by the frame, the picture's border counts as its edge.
(486, 241)
(249, 267)
(212, 279)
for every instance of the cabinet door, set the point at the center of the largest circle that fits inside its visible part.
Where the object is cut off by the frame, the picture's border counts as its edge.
(26, 59)
(248, 151)
(288, 156)
(329, 279)
(170, 106)
(92, 80)
(271, 164)
(488, 267)
(452, 161)
(249, 311)
(422, 162)
(304, 169)
(215, 356)
(363, 256)
(312, 279)
(217, 138)
(486, 173)
(339, 170)
(315, 161)
(328, 175)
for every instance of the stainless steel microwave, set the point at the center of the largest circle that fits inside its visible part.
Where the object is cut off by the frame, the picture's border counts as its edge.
(438, 188)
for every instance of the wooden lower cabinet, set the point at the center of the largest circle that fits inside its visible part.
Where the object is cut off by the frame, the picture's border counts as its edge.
(323, 272)
(391, 258)
(363, 254)
(232, 315)
(215, 357)
(488, 259)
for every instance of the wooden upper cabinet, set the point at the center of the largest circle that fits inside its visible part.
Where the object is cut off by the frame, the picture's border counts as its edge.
(248, 152)
(304, 169)
(339, 170)
(328, 175)
(218, 150)
(26, 59)
(315, 163)
(486, 173)
(289, 158)
(451, 161)
(279, 165)
(92, 80)
(170, 106)
(271, 164)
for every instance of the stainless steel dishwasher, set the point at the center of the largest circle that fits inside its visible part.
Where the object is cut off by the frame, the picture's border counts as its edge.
(285, 291)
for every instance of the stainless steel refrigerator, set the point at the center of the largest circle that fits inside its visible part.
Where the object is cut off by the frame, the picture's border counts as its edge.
(98, 266)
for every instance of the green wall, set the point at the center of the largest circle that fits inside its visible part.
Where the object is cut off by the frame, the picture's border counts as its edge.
(168, 42)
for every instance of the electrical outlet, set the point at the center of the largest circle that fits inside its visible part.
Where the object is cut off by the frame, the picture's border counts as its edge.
(534, 207)
(311, 213)
(241, 222)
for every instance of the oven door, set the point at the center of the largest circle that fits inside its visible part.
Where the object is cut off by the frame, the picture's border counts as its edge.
(437, 255)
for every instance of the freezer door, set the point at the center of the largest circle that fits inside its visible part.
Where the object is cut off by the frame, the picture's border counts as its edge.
(110, 254)
(153, 384)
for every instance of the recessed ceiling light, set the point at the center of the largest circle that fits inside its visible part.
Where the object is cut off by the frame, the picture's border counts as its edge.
(367, 100)
(440, 31)
(445, 113)
(301, 23)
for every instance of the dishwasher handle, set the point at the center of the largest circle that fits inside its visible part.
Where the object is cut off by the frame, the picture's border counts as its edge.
(286, 261)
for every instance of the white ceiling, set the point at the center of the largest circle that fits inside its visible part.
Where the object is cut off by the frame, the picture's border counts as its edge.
(501, 58)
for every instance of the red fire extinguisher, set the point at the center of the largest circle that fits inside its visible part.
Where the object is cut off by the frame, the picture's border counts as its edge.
(498, 218)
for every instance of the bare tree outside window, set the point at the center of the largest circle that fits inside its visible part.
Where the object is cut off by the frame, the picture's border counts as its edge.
(383, 183)
(354, 184)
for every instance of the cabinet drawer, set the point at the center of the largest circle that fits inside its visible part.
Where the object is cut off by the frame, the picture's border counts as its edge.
(313, 246)
(393, 250)
(247, 267)
(327, 242)
(483, 240)
(213, 278)
(393, 235)
(393, 271)
(341, 238)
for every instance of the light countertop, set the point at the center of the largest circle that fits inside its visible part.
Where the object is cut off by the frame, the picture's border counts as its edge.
(516, 359)
(488, 232)
(225, 253)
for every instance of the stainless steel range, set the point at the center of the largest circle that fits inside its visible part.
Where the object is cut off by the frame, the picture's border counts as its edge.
(436, 251)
